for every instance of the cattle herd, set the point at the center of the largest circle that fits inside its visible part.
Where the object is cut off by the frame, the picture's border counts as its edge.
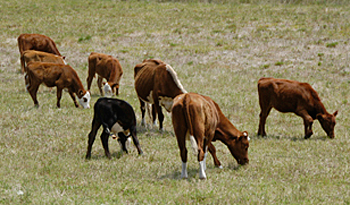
(195, 117)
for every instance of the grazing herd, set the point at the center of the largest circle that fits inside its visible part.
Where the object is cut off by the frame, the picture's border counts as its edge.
(195, 117)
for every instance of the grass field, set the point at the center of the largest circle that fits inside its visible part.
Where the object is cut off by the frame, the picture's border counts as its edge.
(219, 49)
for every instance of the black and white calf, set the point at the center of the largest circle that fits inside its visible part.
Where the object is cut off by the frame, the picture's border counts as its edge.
(116, 117)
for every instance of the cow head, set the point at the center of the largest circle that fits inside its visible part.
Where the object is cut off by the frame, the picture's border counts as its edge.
(124, 141)
(84, 98)
(238, 147)
(327, 122)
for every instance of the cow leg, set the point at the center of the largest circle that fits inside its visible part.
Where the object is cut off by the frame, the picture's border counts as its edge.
(59, 95)
(308, 121)
(154, 115)
(99, 84)
(72, 95)
(136, 141)
(104, 140)
(263, 115)
(92, 135)
(201, 158)
(33, 89)
(160, 115)
(143, 111)
(180, 133)
(90, 76)
(212, 151)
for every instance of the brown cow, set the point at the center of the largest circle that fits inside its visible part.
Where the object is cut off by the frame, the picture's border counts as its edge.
(199, 118)
(293, 96)
(36, 42)
(156, 83)
(106, 67)
(61, 76)
(32, 55)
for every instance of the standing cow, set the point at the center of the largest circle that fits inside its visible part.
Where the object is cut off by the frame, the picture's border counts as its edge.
(56, 75)
(106, 67)
(36, 42)
(199, 118)
(156, 83)
(293, 96)
(116, 117)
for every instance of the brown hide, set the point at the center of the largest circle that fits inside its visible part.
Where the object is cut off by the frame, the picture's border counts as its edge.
(36, 42)
(201, 117)
(156, 82)
(32, 55)
(296, 97)
(54, 75)
(106, 67)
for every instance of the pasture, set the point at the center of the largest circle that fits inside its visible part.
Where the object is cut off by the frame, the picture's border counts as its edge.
(219, 49)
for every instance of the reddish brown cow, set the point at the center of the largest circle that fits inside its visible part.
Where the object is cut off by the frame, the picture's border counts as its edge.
(36, 42)
(61, 76)
(106, 67)
(32, 55)
(156, 83)
(293, 96)
(199, 118)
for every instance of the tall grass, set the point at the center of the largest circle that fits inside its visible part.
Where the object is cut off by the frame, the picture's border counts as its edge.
(218, 48)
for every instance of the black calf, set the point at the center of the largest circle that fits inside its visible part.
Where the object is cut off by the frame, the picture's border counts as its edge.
(115, 116)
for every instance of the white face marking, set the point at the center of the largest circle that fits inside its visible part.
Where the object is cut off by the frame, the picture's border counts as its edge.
(108, 90)
(85, 100)
(166, 102)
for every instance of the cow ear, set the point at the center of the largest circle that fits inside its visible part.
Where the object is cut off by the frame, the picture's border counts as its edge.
(319, 116)
(115, 85)
(80, 92)
(335, 113)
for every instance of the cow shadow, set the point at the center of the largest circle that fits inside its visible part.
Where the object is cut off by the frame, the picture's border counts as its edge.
(292, 138)
(114, 155)
(144, 130)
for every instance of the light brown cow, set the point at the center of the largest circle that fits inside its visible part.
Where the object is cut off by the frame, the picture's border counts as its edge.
(293, 96)
(36, 42)
(199, 118)
(156, 83)
(32, 55)
(106, 67)
(61, 76)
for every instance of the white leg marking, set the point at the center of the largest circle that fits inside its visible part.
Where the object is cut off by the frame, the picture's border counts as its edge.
(128, 144)
(184, 174)
(193, 143)
(202, 174)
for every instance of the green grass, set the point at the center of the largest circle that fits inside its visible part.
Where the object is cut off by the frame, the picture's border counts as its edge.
(218, 48)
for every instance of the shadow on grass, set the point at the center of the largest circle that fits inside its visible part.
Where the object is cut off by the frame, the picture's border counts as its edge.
(142, 130)
(292, 138)
(115, 155)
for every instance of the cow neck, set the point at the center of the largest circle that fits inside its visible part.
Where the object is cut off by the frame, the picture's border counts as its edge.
(77, 85)
(319, 107)
(225, 129)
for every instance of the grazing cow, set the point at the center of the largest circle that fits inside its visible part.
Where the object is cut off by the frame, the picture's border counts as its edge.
(156, 83)
(293, 96)
(61, 76)
(199, 118)
(32, 55)
(116, 117)
(106, 67)
(36, 42)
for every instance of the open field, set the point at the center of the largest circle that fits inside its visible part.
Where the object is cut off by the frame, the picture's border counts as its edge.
(217, 49)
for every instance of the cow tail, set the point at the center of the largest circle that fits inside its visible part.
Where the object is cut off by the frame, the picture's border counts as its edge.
(193, 141)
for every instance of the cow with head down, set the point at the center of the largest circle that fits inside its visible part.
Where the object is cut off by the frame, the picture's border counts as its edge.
(199, 119)
(55, 75)
(106, 67)
(36, 42)
(296, 97)
(156, 83)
